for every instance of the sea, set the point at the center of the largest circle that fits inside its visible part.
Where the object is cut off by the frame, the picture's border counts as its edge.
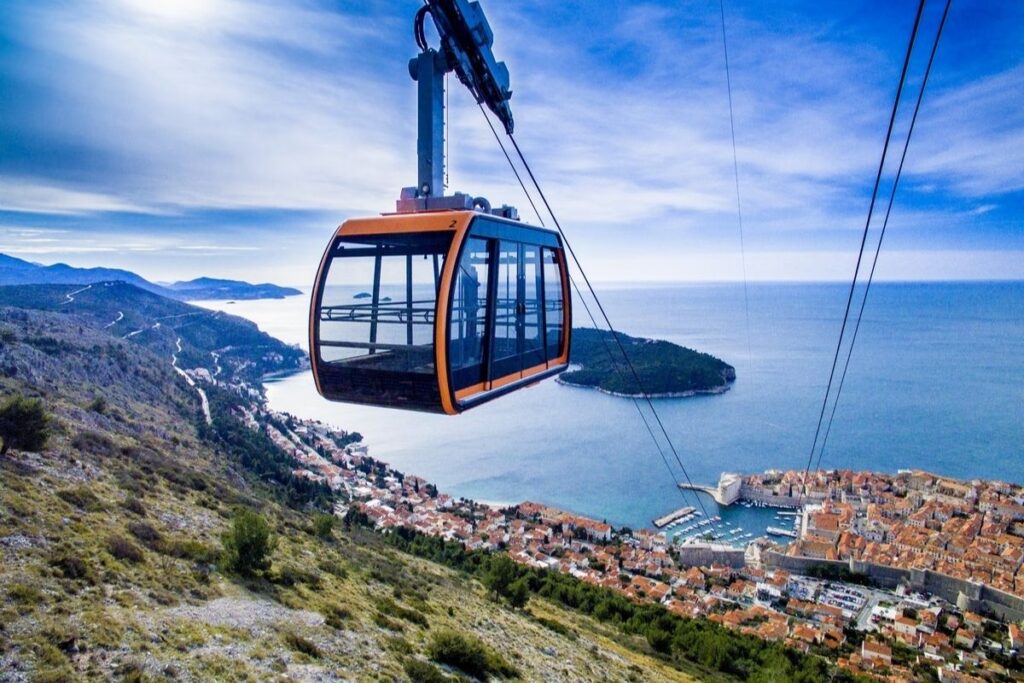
(935, 382)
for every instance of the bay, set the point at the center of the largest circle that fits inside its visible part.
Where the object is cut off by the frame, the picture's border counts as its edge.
(936, 382)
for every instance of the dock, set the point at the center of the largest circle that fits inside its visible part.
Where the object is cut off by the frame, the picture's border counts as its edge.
(662, 522)
(776, 531)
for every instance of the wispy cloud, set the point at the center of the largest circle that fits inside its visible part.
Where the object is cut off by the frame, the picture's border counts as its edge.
(125, 108)
(215, 109)
(28, 196)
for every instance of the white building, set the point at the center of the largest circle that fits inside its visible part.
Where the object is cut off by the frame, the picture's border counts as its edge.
(729, 488)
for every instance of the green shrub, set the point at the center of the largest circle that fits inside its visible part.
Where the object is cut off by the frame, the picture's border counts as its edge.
(135, 482)
(24, 594)
(557, 626)
(74, 568)
(300, 644)
(189, 549)
(423, 672)
(291, 575)
(82, 498)
(385, 622)
(123, 549)
(335, 616)
(333, 567)
(98, 405)
(147, 534)
(93, 442)
(323, 526)
(501, 571)
(135, 506)
(24, 425)
(518, 593)
(469, 654)
(60, 635)
(131, 672)
(249, 544)
(389, 607)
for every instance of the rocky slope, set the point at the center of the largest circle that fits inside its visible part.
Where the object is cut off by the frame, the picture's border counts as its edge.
(109, 537)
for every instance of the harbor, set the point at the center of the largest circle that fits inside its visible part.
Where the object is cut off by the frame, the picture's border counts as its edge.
(676, 515)
(732, 489)
(738, 516)
(733, 526)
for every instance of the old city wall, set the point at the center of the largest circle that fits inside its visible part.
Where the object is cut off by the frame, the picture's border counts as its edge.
(705, 555)
(965, 594)
(757, 496)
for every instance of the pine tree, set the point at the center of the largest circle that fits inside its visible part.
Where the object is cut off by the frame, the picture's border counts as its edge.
(24, 425)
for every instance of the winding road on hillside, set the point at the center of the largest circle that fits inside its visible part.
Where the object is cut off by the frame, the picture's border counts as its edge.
(70, 298)
(191, 382)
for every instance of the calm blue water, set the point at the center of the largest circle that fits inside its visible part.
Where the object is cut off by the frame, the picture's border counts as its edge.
(936, 382)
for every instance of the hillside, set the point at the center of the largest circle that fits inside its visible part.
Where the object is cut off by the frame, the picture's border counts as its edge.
(665, 369)
(110, 536)
(198, 338)
(15, 271)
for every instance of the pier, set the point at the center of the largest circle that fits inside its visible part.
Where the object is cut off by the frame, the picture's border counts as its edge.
(662, 522)
(710, 490)
(726, 493)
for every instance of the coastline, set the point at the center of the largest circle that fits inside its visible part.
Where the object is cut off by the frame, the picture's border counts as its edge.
(713, 391)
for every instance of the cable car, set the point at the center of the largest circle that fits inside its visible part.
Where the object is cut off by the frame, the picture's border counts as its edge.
(445, 304)
(438, 311)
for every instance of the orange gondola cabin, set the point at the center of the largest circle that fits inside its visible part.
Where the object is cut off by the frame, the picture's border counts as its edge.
(438, 311)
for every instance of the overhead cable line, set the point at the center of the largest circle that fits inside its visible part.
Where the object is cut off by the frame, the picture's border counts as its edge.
(885, 224)
(616, 365)
(611, 328)
(864, 236)
(736, 175)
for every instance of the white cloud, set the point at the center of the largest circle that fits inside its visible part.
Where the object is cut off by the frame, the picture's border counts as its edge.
(971, 138)
(34, 197)
(221, 104)
(214, 112)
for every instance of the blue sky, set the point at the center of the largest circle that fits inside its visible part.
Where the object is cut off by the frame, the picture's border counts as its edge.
(226, 138)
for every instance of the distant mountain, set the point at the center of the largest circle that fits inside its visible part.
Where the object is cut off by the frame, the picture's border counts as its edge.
(212, 288)
(15, 271)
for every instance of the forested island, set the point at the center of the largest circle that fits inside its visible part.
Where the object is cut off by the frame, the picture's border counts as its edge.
(666, 370)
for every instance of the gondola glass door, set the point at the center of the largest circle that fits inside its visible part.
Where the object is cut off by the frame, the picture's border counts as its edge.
(531, 306)
(518, 342)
